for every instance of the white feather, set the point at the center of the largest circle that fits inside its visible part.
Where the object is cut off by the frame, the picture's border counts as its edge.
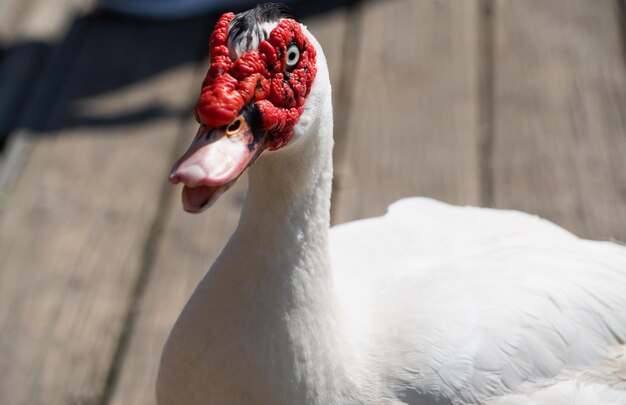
(480, 300)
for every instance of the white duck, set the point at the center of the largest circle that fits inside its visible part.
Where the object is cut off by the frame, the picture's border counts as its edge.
(429, 304)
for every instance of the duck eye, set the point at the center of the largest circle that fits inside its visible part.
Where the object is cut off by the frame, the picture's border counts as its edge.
(293, 56)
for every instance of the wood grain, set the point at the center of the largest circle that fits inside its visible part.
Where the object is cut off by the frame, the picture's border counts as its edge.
(560, 113)
(189, 245)
(73, 235)
(412, 127)
(29, 32)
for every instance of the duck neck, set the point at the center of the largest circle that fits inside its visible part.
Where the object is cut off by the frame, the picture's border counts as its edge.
(286, 218)
(287, 213)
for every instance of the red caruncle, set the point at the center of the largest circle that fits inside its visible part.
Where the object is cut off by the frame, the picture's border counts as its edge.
(261, 76)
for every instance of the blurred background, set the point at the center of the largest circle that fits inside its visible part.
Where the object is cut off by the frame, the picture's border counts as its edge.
(502, 103)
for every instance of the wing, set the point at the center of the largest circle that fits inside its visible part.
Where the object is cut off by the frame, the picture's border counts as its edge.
(603, 384)
(467, 303)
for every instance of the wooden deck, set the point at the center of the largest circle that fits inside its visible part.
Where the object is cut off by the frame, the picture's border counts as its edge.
(504, 103)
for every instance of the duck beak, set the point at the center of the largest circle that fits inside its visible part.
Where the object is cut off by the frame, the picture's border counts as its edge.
(215, 160)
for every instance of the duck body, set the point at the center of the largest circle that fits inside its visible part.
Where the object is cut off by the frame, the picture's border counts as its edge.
(428, 304)
(446, 305)
(467, 304)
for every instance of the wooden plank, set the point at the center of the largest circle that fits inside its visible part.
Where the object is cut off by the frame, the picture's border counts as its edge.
(73, 235)
(29, 31)
(189, 246)
(412, 127)
(560, 113)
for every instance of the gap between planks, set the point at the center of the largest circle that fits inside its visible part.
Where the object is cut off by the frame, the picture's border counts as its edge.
(486, 99)
(621, 22)
(342, 97)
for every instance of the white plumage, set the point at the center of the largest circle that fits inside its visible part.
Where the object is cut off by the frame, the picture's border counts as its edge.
(429, 304)
(481, 301)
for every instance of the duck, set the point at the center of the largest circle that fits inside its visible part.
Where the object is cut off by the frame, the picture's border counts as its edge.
(428, 304)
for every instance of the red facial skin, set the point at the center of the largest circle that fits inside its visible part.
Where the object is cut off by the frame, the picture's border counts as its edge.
(260, 76)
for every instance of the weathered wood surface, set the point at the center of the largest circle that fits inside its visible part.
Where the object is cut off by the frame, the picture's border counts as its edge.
(412, 124)
(187, 248)
(524, 108)
(73, 237)
(560, 113)
(28, 31)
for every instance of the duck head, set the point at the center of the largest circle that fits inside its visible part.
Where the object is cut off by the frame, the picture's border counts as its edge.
(262, 67)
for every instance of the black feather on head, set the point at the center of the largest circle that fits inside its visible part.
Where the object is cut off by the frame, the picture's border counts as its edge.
(246, 25)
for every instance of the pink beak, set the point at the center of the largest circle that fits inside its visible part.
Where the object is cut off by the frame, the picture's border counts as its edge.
(214, 161)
